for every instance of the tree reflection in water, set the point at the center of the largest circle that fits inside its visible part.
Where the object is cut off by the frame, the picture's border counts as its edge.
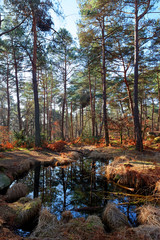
(80, 187)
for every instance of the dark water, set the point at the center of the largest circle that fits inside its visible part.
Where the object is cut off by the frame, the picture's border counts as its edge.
(80, 187)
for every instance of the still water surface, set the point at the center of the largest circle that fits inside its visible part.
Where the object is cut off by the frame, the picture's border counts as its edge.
(80, 187)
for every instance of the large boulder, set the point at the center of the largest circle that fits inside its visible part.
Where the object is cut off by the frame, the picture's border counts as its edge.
(17, 191)
(4, 181)
(113, 218)
(22, 213)
(48, 226)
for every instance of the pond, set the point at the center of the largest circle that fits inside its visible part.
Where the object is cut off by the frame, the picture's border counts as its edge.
(80, 187)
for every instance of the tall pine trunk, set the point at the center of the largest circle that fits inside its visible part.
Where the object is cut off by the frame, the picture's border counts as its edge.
(137, 126)
(35, 85)
(72, 122)
(104, 85)
(64, 95)
(8, 97)
(17, 91)
(158, 124)
(91, 103)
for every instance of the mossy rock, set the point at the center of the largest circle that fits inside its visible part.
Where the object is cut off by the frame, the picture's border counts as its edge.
(26, 213)
(94, 221)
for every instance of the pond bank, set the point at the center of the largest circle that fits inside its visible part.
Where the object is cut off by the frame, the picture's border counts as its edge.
(15, 164)
(139, 175)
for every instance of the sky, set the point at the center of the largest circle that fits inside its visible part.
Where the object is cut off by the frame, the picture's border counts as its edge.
(71, 13)
(70, 10)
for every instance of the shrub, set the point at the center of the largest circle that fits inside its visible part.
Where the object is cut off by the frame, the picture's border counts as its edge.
(22, 140)
(89, 139)
(157, 140)
(57, 146)
(6, 146)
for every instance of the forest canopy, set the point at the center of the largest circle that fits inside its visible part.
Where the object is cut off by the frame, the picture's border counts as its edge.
(104, 86)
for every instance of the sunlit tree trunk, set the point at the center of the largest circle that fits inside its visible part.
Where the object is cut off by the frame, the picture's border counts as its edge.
(91, 103)
(152, 114)
(72, 123)
(104, 84)
(64, 95)
(35, 85)
(158, 124)
(8, 97)
(137, 126)
(17, 91)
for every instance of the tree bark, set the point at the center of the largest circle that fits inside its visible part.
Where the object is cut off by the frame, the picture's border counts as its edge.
(152, 114)
(64, 95)
(72, 123)
(125, 69)
(44, 105)
(8, 97)
(35, 85)
(91, 103)
(158, 124)
(137, 126)
(50, 110)
(17, 91)
(104, 85)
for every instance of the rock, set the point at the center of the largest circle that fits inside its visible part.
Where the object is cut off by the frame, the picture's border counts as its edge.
(4, 181)
(66, 216)
(98, 155)
(47, 225)
(26, 213)
(24, 167)
(86, 152)
(149, 215)
(74, 155)
(95, 221)
(113, 218)
(20, 215)
(17, 191)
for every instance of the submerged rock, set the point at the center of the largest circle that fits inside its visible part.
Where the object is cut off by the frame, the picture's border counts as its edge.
(113, 218)
(4, 181)
(17, 191)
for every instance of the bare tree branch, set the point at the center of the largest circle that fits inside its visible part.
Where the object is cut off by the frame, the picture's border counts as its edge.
(12, 29)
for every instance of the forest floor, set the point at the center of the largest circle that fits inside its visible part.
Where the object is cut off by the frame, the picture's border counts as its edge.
(16, 162)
